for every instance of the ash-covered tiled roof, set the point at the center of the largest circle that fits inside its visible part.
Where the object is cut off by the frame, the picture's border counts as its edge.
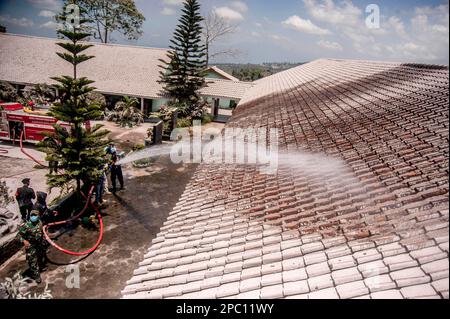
(374, 225)
(225, 89)
(116, 69)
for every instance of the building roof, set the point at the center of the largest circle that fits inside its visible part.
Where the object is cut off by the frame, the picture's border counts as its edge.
(374, 226)
(116, 69)
(222, 73)
(225, 89)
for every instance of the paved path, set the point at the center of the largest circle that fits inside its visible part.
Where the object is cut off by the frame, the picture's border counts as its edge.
(132, 220)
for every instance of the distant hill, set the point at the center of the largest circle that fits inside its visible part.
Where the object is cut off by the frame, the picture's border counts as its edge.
(253, 72)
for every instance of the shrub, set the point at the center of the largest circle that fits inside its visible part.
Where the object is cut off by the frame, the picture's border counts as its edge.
(8, 93)
(125, 113)
(40, 94)
(138, 147)
(207, 118)
(182, 123)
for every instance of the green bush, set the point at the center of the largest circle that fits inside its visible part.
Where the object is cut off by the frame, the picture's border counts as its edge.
(182, 123)
(138, 147)
(8, 92)
(207, 118)
(125, 113)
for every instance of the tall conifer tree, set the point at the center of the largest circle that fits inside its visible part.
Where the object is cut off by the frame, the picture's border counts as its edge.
(78, 150)
(183, 74)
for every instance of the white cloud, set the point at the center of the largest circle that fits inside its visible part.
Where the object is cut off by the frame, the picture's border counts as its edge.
(397, 25)
(166, 11)
(239, 6)
(173, 2)
(327, 11)
(421, 37)
(52, 25)
(46, 4)
(229, 14)
(47, 14)
(329, 45)
(20, 22)
(259, 25)
(302, 25)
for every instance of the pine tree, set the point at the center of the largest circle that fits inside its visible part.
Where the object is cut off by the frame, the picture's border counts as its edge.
(183, 73)
(78, 150)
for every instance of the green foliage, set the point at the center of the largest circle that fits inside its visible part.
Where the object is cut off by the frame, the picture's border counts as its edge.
(126, 113)
(249, 74)
(207, 118)
(78, 150)
(167, 115)
(183, 72)
(138, 147)
(253, 72)
(97, 99)
(104, 17)
(183, 123)
(39, 94)
(8, 93)
(191, 110)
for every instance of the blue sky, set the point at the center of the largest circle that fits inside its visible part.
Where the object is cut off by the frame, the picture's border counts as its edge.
(282, 30)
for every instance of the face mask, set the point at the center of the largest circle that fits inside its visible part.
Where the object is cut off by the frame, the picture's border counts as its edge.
(34, 219)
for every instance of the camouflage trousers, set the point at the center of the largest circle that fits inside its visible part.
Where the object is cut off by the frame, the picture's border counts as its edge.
(36, 260)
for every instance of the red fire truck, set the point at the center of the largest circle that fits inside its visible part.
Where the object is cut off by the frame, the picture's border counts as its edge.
(14, 120)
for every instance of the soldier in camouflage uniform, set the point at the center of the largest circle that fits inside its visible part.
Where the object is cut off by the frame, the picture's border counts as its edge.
(32, 236)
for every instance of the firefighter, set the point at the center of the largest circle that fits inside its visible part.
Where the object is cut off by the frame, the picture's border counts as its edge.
(24, 197)
(111, 149)
(32, 237)
(116, 173)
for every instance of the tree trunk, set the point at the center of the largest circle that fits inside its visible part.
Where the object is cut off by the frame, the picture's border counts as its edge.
(207, 53)
(106, 35)
(78, 188)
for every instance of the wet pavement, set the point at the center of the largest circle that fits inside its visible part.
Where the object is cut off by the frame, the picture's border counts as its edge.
(132, 220)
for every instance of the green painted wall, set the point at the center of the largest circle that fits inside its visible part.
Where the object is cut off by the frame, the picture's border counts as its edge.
(223, 103)
(214, 75)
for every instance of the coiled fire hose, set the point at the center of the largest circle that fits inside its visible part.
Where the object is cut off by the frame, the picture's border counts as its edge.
(100, 237)
(88, 202)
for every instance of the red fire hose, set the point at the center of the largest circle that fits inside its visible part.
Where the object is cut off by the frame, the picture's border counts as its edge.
(100, 237)
(88, 202)
(28, 155)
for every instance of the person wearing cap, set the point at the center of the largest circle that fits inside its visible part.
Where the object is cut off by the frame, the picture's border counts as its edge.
(32, 237)
(24, 197)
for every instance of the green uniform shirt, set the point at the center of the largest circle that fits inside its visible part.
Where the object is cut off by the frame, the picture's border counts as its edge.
(31, 232)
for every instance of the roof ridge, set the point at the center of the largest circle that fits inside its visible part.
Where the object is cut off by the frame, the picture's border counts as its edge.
(91, 42)
(413, 64)
(226, 80)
